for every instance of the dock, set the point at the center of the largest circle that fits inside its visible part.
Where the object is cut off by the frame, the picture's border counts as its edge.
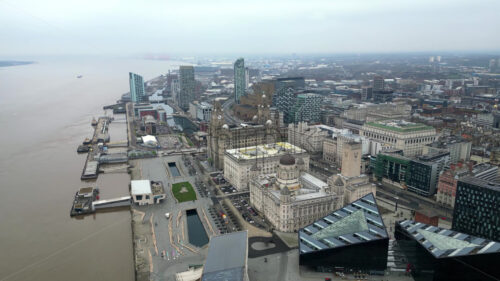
(86, 202)
(112, 203)
(91, 167)
(83, 202)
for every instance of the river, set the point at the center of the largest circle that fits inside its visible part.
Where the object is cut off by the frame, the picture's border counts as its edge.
(45, 112)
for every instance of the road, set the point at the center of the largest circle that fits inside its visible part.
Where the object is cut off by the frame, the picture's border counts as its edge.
(413, 200)
(171, 234)
(230, 119)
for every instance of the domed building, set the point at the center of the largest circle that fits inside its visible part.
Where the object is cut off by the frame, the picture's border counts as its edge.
(238, 162)
(291, 198)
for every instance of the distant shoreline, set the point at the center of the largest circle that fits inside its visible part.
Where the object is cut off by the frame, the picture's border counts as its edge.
(5, 63)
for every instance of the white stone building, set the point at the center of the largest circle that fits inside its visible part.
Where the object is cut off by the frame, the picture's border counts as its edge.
(350, 184)
(288, 200)
(308, 137)
(333, 147)
(407, 136)
(237, 162)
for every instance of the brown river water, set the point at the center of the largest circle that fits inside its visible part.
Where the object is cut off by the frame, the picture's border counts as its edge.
(45, 112)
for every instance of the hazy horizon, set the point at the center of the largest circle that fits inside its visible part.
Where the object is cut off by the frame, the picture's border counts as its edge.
(173, 29)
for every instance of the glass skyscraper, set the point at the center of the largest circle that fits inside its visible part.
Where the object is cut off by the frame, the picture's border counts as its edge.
(186, 85)
(137, 92)
(239, 79)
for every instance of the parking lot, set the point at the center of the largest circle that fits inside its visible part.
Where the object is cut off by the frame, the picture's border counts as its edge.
(170, 141)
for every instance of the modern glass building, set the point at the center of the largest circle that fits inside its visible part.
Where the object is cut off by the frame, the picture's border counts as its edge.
(477, 208)
(137, 92)
(434, 254)
(419, 175)
(307, 108)
(392, 166)
(186, 86)
(239, 79)
(353, 237)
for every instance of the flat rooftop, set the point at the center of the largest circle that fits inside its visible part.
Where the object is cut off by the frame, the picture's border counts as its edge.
(400, 126)
(264, 151)
(140, 187)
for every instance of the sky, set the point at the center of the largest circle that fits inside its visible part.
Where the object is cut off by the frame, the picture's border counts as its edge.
(191, 27)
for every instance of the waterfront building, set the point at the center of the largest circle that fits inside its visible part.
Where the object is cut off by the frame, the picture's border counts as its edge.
(239, 79)
(350, 184)
(137, 92)
(353, 238)
(146, 192)
(434, 254)
(477, 207)
(222, 136)
(306, 108)
(186, 86)
(308, 137)
(290, 198)
(239, 161)
(408, 136)
(227, 258)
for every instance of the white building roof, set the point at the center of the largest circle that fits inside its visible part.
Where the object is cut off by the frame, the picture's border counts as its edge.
(264, 151)
(141, 187)
(313, 180)
(149, 139)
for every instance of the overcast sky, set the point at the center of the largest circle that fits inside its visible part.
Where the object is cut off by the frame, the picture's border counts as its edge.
(34, 27)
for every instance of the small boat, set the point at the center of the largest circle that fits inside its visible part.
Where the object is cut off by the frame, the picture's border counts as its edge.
(83, 148)
(79, 76)
(87, 141)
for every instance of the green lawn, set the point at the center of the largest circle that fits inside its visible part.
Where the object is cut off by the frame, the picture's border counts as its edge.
(190, 195)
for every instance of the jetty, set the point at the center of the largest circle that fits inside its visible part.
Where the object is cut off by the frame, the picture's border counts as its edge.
(83, 201)
(101, 135)
(87, 202)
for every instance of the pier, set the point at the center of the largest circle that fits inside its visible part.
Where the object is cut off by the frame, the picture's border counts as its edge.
(86, 202)
(112, 203)
(94, 157)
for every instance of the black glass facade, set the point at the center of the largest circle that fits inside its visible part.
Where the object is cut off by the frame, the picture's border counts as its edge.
(477, 208)
(371, 255)
(426, 262)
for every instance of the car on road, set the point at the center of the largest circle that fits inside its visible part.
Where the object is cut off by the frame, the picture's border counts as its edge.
(167, 215)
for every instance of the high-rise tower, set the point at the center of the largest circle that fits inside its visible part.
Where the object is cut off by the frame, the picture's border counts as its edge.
(137, 92)
(239, 79)
(186, 85)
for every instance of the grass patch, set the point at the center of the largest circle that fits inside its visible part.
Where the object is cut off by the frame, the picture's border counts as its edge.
(183, 191)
